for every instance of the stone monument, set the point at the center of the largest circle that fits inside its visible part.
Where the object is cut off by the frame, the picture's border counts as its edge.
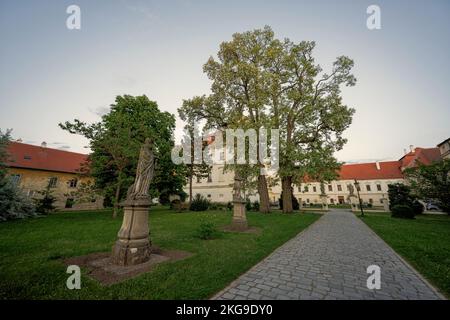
(133, 245)
(323, 197)
(385, 203)
(239, 216)
(353, 199)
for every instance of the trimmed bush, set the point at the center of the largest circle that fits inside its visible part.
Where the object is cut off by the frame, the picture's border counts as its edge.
(248, 205)
(417, 207)
(256, 206)
(199, 203)
(402, 211)
(206, 230)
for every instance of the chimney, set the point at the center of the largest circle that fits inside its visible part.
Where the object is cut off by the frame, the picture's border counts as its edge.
(44, 144)
(377, 164)
(411, 148)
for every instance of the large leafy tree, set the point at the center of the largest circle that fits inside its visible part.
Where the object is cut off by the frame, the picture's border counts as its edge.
(432, 182)
(238, 89)
(115, 142)
(306, 105)
(276, 84)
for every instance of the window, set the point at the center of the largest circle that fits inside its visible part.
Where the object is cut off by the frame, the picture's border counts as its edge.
(209, 196)
(52, 182)
(339, 187)
(221, 195)
(209, 177)
(371, 201)
(199, 179)
(368, 187)
(330, 187)
(379, 187)
(307, 200)
(306, 189)
(73, 183)
(299, 189)
(314, 189)
(332, 201)
(15, 179)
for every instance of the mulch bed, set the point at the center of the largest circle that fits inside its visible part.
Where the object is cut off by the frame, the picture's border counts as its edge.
(100, 268)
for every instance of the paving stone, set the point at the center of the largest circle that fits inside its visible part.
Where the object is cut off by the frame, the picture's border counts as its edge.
(329, 261)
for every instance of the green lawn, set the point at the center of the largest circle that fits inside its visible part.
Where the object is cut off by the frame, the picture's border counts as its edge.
(31, 252)
(424, 242)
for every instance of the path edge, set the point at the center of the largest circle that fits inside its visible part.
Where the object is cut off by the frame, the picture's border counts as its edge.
(407, 264)
(216, 295)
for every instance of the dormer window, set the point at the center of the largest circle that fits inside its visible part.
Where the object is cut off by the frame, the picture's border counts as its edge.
(27, 157)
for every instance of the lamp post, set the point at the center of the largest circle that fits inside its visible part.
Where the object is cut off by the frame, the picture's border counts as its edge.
(359, 197)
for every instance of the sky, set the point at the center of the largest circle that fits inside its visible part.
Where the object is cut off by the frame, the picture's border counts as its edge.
(50, 74)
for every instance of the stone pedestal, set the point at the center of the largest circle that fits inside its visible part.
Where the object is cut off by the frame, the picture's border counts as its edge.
(239, 217)
(354, 203)
(300, 204)
(385, 204)
(324, 202)
(133, 245)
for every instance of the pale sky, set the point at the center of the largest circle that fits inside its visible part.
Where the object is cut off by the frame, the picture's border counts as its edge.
(49, 74)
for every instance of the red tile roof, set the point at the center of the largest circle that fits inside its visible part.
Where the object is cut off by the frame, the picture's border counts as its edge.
(369, 171)
(425, 156)
(42, 158)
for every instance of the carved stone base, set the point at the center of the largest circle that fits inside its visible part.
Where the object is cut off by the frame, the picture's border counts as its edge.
(128, 253)
(133, 245)
(239, 216)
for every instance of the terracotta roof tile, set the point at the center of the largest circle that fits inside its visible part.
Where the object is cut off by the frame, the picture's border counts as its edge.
(42, 158)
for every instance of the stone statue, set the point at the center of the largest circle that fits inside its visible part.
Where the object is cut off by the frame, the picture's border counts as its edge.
(237, 188)
(144, 173)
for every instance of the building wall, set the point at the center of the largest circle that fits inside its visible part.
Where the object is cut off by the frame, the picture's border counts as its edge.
(31, 181)
(444, 148)
(219, 189)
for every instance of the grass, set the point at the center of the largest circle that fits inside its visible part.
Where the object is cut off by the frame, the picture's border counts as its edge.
(424, 242)
(31, 252)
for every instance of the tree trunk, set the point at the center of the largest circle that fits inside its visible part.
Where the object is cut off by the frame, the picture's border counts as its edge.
(264, 201)
(190, 190)
(116, 199)
(286, 185)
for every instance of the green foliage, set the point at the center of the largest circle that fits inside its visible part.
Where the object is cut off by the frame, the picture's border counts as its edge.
(115, 142)
(248, 204)
(13, 203)
(432, 182)
(199, 203)
(402, 211)
(44, 203)
(206, 230)
(256, 205)
(399, 194)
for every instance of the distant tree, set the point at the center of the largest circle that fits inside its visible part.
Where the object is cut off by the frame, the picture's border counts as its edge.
(194, 170)
(115, 142)
(45, 202)
(13, 203)
(432, 182)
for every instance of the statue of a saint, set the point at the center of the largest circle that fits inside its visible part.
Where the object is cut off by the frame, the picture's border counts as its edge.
(144, 173)
(237, 187)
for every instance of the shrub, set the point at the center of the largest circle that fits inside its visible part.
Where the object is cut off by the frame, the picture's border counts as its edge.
(256, 205)
(230, 205)
(199, 203)
(417, 207)
(13, 203)
(402, 211)
(44, 204)
(248, 205)
(206, 230)
(175, 204)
